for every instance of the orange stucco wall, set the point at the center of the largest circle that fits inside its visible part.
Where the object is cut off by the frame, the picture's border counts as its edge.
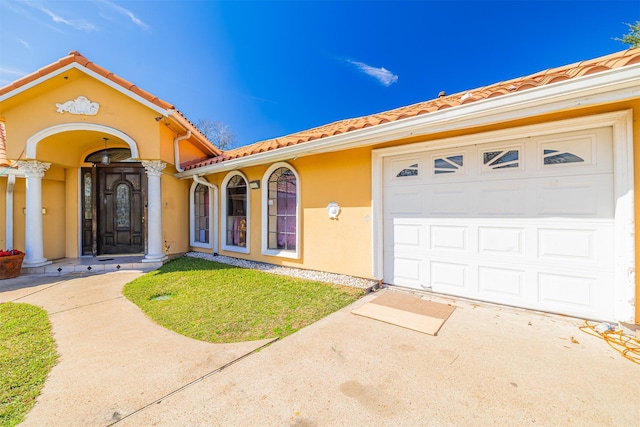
(72, 177)
(19, 202)
(340, 246)
(175, 212)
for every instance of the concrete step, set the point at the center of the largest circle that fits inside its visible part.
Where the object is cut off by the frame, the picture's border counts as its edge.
(93, 265)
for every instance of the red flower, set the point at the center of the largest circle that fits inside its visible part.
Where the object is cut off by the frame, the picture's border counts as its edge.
(10, 252)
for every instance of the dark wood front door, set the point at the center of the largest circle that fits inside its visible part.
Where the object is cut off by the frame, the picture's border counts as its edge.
(119, 208)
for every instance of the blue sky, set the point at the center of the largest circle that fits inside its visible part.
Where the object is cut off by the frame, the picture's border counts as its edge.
(268, 68)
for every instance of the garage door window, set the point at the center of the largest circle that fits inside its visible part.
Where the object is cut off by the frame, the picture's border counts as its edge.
(501, 159)
(406, 168)
(554, 157)
(449, 164)
(578, 150)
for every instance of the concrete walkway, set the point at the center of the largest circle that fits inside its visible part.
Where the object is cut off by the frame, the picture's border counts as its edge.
(113, 359)
(489, 365)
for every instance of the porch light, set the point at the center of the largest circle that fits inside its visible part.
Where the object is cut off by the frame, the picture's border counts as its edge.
(254, 185)
(105, 159)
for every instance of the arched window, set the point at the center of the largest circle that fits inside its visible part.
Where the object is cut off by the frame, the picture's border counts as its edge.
(201, 216)
(235, 207)
(281, 205)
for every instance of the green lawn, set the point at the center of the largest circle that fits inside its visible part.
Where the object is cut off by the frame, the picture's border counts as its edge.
(27, 354)
(220, 303)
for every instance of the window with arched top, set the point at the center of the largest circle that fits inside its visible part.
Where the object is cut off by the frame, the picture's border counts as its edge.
(235, 211)
(202, 215)
(281, 196)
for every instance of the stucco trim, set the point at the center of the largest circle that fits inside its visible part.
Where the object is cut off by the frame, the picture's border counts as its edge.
(621, 122)
(33, 140)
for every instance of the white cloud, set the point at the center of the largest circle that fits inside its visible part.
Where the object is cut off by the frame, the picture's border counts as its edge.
(24, 43)
(125, 12)
(17, 7)
(384, 76)
(78, 24)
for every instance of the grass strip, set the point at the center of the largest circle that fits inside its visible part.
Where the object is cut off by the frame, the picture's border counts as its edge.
(27, 354)
(220, 303)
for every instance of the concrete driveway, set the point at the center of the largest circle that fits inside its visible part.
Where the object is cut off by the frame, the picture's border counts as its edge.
(489, 365)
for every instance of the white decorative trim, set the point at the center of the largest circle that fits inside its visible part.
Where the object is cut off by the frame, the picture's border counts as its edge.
(153, 167)
(223, 203)
(265, 213)
(624, 286)
(33, 168)
(80, 105)
(625, 238)
(33, 140)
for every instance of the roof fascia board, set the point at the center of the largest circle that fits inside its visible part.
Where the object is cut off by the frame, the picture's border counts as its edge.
(91, 73)
(609, 86)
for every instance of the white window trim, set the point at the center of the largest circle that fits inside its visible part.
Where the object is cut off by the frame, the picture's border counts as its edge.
(624, 246)
(225, 246)
(265, 214)
(192, 212)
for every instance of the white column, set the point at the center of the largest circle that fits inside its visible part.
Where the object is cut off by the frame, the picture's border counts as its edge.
(154, 211)
(11, 181)
(34, 246)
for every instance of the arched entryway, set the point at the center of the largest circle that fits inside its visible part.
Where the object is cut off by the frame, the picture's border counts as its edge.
(118, 208)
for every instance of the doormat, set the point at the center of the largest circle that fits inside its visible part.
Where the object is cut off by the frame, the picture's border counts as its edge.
(407, 311)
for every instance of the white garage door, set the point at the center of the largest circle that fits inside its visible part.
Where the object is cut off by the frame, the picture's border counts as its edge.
(524, 222)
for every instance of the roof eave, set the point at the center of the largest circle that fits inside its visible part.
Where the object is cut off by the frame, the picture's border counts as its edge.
(91, 73)
(608, 86)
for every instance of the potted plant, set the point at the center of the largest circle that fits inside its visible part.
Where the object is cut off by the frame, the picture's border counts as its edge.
(10, 263)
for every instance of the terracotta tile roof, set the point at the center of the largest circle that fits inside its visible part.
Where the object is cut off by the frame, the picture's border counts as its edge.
(78, 58)
(554, 75)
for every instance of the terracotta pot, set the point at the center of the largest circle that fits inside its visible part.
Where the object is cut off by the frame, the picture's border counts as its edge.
(10, 266)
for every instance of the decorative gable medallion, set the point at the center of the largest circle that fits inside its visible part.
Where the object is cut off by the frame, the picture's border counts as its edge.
(81, 105)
